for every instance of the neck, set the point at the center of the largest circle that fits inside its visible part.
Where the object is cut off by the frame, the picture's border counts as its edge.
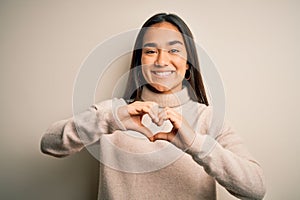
(154, 90)
(165, 99)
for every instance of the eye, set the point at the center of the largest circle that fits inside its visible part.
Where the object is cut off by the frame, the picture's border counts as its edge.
(174, 51)
(149, 51)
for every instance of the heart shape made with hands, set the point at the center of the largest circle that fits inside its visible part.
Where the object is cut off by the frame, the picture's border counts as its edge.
(166, 127)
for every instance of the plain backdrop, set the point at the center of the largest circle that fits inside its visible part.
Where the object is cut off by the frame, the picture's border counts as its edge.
(254, 44)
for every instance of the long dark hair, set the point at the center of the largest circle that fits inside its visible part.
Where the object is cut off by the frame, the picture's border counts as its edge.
(194, 83)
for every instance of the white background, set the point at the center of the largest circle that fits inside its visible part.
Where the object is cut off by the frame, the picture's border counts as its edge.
(255, 45)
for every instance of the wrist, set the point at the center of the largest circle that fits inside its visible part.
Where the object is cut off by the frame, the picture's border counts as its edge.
(201, 147)
(195, 147)
(118, 115)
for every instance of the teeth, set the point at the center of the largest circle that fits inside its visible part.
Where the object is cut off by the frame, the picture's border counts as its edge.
(163, 74)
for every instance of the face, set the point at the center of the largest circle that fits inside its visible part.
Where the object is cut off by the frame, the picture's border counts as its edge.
(164, 57)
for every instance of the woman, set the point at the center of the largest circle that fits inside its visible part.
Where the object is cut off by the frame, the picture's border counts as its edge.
(164, 87)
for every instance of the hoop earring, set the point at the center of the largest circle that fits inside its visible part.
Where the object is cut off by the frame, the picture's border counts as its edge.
(188, 74)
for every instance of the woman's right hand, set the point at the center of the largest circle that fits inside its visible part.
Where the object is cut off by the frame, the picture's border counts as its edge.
(131, 116)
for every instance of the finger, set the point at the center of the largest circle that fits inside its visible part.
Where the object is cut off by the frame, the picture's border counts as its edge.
(141, 108)
(153, 112)
(163, 136)
(138, 108)
(159, 136)
(174, 117)
(162, 116)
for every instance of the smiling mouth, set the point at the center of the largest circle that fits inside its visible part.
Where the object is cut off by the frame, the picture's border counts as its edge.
(162, 74)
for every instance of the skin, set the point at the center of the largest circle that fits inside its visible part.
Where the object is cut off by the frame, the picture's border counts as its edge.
(164, 65)
(164, 58)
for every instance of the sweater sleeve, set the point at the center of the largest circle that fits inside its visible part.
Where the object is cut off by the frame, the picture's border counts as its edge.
(227, 160)
(68, 136)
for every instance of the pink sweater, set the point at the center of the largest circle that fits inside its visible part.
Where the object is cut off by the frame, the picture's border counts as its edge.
(131, 167)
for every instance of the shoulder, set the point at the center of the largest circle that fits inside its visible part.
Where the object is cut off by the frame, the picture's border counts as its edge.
(109, 103)
(210, 120)
(200, 108)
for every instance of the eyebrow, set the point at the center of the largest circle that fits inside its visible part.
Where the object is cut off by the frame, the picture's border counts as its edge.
(152, 44)
(175, 42)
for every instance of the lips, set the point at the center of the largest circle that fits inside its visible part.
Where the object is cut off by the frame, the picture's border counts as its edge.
(162, 74)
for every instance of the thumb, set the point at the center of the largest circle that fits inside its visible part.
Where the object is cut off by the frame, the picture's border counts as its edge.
(162, 136)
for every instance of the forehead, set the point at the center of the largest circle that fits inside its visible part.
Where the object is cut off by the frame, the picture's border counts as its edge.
(162, 33)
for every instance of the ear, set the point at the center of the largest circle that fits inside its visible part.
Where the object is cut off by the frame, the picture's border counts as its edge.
(187, 66)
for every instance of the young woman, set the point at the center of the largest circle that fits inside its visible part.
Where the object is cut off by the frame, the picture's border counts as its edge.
(140, 160)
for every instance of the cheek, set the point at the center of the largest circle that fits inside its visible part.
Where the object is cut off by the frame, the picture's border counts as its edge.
(145, 64)
(146, 72)
(181, 65)
(143, 60)
(146, 60)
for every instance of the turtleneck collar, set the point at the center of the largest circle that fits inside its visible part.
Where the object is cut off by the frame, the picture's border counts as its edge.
(166, 100)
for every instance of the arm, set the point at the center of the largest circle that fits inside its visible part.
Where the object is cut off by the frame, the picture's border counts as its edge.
(225, 158)
(68, 136)
(229, 162)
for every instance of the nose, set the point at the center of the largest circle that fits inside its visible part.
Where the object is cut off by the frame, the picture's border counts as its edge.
(163, 58)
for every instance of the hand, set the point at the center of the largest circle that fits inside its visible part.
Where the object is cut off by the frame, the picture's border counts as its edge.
(131, 116)
(182, 135)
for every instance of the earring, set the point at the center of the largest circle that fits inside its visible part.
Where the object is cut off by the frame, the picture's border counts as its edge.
(188, 74)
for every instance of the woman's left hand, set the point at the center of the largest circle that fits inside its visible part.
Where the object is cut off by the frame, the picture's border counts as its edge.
(181, 135)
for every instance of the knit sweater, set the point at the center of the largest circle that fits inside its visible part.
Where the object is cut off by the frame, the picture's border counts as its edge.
(132, 167)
